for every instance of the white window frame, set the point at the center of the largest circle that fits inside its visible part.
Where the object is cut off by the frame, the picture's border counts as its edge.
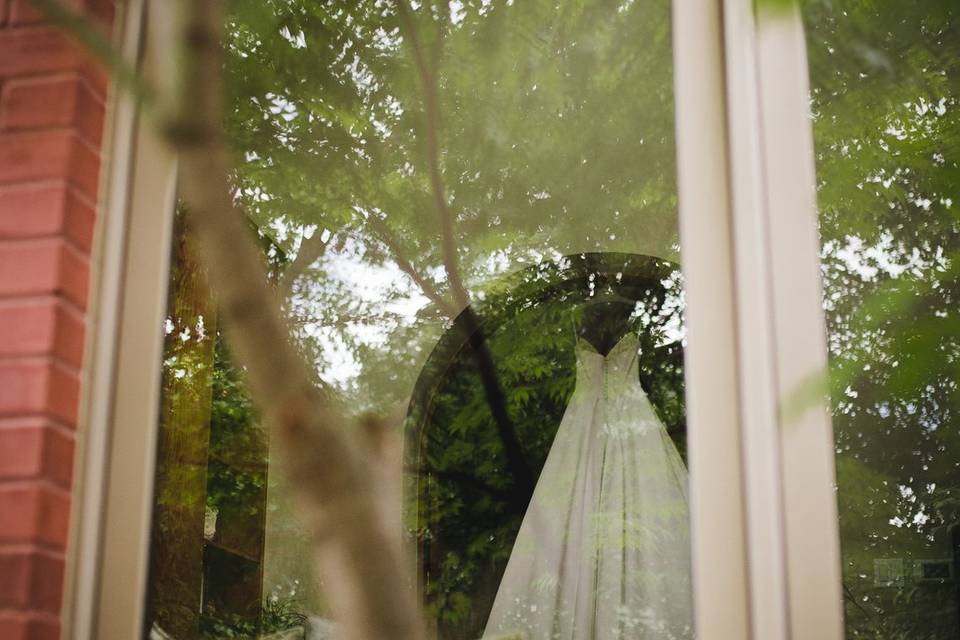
(763, 507)
(751, 256)
(115, 464)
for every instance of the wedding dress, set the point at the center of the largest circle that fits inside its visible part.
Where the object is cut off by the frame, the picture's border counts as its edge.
(603, 551)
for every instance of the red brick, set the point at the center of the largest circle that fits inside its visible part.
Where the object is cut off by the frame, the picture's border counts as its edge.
(33, 448)
(68, 339)
(39, 267)
(58, 456)
(32, 580)
(45, 210)
(31, 513)
(78, 220)
(38, 388)
(38, 50)
(27, 328)
(30, 267)
(51, 124)
(63, 395)
(46, 588)
(49, 155)
(32, 626)
(21, 452)
(31, 212)
(41, 327)
(46, 49)
(52, 101)
(21, 11)
(74, 276)
(15, 586)
(23, 388)
(13, 626)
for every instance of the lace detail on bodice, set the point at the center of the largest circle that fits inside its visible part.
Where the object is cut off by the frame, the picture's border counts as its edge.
(614, 372)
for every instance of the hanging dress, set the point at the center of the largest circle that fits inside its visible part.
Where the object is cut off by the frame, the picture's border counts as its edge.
(603, 551)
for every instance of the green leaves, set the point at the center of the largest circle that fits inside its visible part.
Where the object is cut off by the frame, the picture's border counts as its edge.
(885, 91)
(775, 6)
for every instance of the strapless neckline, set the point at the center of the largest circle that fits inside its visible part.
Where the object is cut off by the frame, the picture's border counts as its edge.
(624, 344)
(613, 371)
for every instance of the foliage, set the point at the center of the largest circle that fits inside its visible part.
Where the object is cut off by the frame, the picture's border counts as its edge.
(278, 614)
(886, 105)
(237, 439)
(555, 136)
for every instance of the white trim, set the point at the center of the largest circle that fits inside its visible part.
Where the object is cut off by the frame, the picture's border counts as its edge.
(793, 550)
(93, 433)
(128, 497)
(812, 530)
(718, 529)
(763, 508)
(756, 347)
(106, 592)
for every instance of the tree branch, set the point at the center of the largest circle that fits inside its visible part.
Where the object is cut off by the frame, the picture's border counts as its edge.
(383, 233)
(358, 558)
(516, 460)
(431, 126)
(311, 249)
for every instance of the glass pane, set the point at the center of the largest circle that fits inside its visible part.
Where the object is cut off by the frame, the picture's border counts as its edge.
(470, 212)
(885, 101)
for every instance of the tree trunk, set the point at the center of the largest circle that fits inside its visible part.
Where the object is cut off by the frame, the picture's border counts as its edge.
(182, 448)
(358, 559)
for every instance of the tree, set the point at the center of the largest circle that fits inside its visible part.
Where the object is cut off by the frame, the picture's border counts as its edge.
(885, 89)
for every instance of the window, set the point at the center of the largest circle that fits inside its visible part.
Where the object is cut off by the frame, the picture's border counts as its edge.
(884, 100)
(576, 154)
(470, 213)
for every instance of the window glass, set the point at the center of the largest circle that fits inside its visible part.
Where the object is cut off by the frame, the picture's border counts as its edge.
(885, 89)
(470, 212)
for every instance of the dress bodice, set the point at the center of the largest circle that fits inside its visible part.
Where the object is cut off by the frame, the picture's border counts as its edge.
(615, 371)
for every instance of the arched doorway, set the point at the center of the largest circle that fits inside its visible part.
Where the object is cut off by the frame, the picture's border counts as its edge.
(464, 503)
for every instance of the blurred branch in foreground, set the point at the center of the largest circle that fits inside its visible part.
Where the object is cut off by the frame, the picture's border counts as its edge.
(358, 558)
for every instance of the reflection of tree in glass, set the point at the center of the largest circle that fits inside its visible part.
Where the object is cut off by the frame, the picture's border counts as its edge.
(886, 92)
(546, 132)
(183, 444)
(466, 506)
(551, 134)
(208, 529)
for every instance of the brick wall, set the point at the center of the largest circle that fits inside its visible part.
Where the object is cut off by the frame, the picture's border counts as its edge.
(51, 124)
